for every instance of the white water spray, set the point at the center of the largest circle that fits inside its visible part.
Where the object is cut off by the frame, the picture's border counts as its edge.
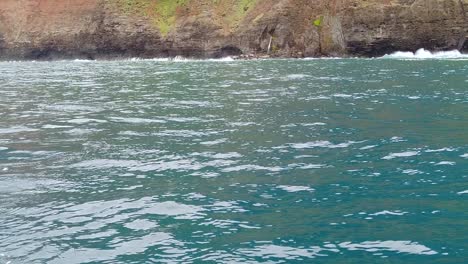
(425, 54)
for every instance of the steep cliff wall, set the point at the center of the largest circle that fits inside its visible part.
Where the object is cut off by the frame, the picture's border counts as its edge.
(48, 29)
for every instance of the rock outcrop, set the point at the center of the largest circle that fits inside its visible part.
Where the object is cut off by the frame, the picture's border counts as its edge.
(52, 29)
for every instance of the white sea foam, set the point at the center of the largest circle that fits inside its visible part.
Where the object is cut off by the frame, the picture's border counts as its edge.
(226, 207)
(463, 192)
(290, 188)
(281, 252)
(223, 59)
(106, 164)
(228, 155)
(425, 54)
(341, 95)
(121, 248)
(312, 166)
(236, 124)
(368, 147)
(153, 59)
(397, 139)
(171, 208)
(440, 150)
(412, 172)
(16, 129)
(182, 59)
(386, 212)
(314, 124)
(321, 144)
(54, 126)
(80, 121)
(401, 155)
(72, 107)
(134, 120)
(251, 168)
(214, 142)
(82, 60)
(390, 245)
(451, 163)
(136, 59)
(296, 76)
(323, 58)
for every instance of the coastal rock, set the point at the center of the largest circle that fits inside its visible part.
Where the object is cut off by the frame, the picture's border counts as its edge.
(379, 27)
(54, 29)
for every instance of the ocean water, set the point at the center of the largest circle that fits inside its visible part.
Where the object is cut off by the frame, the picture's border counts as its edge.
(267, 161)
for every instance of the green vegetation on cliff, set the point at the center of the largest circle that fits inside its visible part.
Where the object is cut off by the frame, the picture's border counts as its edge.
(165, 11)
(239, 9)
(162, 12)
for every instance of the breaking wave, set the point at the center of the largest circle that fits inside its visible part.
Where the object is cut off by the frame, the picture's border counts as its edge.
(425, 54)
(183, 59)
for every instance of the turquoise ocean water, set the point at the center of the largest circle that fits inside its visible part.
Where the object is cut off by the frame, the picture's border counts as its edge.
(275, 161)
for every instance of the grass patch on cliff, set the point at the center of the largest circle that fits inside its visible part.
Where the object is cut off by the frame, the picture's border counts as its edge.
(241, 9)
(166, 13)
(163, 13)
(132, 6)
(235, 10)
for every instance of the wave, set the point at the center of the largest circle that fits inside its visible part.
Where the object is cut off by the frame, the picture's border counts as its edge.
(327, 58)
(83, 60)
(422, 54)
(182, 59)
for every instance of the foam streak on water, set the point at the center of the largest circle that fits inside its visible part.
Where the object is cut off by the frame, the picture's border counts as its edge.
(266, 161)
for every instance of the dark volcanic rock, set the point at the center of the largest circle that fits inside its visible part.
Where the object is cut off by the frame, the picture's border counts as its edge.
(376, 29)
(93, 29)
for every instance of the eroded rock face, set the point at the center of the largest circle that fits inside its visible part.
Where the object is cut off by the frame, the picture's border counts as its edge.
(52, 29)
(384, 26)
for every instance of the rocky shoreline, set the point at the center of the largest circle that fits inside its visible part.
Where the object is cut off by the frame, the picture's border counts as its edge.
(109, 29)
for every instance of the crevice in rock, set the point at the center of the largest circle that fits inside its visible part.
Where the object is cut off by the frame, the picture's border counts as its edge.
(2, 44)
(461, 44)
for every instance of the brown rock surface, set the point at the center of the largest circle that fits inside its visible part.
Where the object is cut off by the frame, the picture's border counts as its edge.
(50, 29)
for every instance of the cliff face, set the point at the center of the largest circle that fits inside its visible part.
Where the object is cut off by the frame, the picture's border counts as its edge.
(48, 29)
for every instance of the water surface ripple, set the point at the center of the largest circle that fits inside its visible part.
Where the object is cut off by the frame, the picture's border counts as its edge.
(277, 161)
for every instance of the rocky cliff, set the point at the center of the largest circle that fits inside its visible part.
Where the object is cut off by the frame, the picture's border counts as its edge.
(49, 29)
